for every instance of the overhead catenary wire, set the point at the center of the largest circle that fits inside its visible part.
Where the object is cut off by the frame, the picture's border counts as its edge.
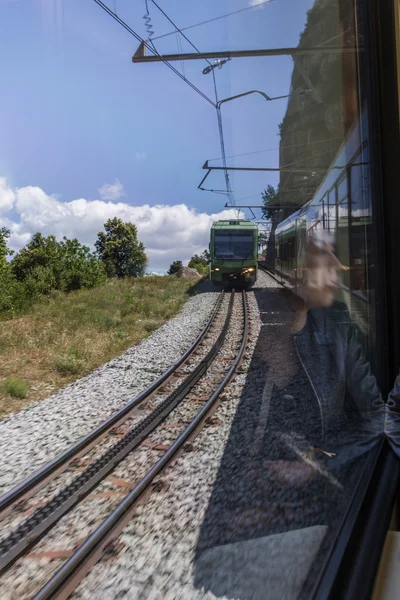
(229, 191)
(177, 29)
(148, 24)
(235, 12)
(152, 50)
(222, 143)
(277, 148)
(179, 44)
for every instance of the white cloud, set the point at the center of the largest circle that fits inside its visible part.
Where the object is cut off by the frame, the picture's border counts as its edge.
(258, 3)
(112, 191)
(7, 196)
(141, 156)
(168, 232)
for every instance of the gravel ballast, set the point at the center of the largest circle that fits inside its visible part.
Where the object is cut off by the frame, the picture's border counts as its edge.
(36, 434)
(159, 545)
(163, 553)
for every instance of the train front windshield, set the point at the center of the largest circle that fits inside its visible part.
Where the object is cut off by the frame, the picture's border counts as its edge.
(233, 245)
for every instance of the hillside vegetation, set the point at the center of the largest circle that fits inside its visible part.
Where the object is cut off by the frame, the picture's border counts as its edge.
(70, 334)
(65, 310)
(319, 113)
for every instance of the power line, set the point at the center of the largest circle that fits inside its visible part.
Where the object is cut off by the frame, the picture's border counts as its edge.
(151, 49)
(222, 143)
(177, 29)
(277, 148)
(229, 191)
(215, 19)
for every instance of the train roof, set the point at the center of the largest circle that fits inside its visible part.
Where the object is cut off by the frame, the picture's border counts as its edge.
(234, 224)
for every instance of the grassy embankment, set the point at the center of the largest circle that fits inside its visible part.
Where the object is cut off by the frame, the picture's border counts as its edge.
(71, 334)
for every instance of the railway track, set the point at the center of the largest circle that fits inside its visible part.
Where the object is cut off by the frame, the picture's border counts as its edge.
(266, 268)
(188, 393)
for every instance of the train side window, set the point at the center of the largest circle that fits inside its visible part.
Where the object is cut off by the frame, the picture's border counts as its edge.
(342, 188)
(331, 211)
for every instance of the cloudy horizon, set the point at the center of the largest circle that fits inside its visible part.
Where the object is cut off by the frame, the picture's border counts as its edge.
(168, 232)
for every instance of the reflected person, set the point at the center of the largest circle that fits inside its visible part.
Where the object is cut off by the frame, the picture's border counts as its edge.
(343, 411)
(310, 412)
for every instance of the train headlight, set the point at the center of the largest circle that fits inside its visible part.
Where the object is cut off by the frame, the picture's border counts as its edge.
(216, 269)
(251, 269)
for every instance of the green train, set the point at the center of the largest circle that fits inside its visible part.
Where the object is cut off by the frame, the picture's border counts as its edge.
(342, 206)
(234, 253)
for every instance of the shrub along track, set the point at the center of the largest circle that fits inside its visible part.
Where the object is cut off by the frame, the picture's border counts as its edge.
(204, 382)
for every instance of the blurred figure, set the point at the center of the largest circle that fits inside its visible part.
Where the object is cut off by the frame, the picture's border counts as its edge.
(323, 267)
(328, 347)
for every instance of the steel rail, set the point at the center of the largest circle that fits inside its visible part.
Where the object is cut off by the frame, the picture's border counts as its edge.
(274, 273)
(39, 478)
(68, 577)
(28, 533)
(271, 271)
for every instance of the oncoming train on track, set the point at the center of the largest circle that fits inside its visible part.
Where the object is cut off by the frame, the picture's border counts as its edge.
(234, 252)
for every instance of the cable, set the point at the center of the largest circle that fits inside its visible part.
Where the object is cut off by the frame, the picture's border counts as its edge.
(152, 49)
(180, 51)
(147, 23)
(229, 191)
(222, 144)
(215, 19)
(277, 148)
(177, 29)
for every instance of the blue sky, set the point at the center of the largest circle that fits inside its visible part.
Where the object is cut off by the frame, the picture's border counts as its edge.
(76, 114)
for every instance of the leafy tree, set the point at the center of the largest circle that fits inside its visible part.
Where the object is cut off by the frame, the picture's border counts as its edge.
(200, 263)
(39, 252)
(79, 268)
(175, 267)
(119, 249)
(276, 207)
(207, 256)
(45, 265)
(8, 284)
(270, 198)
(271, 212)
(4, 250)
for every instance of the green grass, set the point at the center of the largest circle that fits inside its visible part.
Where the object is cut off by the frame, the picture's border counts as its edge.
(14, 387)
(71, 362)
(68, 335)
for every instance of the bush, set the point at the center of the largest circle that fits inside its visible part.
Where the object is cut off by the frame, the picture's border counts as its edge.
(72, 362)
(150, 325)
(111, 321)
(175, 267)
(42, 268)
(17, 388)
(200, 263)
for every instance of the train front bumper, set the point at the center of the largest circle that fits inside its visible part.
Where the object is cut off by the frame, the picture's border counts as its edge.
(226, 274)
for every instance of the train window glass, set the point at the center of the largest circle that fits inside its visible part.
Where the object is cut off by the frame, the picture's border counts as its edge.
(343, 244)
(238, 245)
(331, 210)
(259, 111)
(305, 447)
(342, 189)
(360, 226)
